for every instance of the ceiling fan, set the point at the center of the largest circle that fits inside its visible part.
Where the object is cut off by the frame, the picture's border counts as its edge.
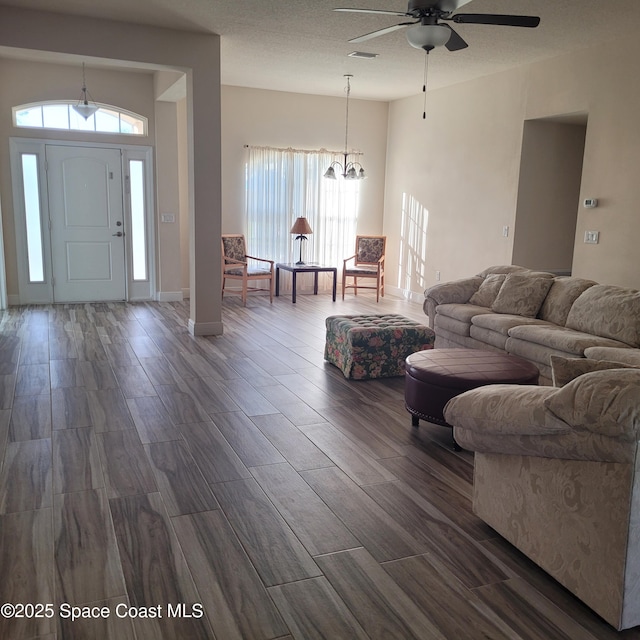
(426, 32)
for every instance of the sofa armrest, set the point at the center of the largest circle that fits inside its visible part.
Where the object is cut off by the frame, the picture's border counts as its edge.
(505, 409)
(528, 420)
(454, 292)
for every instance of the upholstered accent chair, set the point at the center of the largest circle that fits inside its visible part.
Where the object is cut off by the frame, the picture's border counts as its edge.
(367, 263)
(238, 265)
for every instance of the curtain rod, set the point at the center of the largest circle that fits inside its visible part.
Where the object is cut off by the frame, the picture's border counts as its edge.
(323, 150)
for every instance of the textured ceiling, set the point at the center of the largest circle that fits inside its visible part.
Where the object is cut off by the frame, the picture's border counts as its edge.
(302, 46)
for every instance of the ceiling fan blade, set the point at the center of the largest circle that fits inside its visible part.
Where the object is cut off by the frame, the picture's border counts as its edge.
(387, 13)
(489, 18)
(381, 32)
(455, 42)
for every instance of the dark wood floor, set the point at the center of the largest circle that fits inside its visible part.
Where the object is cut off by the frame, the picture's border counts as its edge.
(243, 477)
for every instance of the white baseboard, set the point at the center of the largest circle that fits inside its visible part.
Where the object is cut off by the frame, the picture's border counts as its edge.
(205, 328)
(411, 296)
(169, 296)
(186, 293)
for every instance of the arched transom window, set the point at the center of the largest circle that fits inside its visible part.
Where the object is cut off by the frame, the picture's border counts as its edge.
(61, 115)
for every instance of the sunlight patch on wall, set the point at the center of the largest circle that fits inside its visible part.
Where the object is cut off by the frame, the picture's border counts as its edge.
(413, 244)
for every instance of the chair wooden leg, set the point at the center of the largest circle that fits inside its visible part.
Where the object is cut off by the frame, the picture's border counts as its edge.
(244, 293)
(344, 284)
(271, 289)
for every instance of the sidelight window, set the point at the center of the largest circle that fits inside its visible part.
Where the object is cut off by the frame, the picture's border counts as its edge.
(138, 226)
(31, 194)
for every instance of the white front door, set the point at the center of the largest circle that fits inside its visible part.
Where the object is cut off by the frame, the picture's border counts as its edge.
(87, 223)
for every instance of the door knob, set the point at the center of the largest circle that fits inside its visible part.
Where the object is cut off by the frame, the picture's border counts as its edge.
(118, 235)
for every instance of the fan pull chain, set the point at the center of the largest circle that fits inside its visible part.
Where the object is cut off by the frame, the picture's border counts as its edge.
(424, 86)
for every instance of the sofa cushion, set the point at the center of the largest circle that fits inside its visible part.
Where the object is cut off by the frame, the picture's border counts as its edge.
(488, 337)
(488, 290)
(461, 312)
(521, 295)
(626, 356)
(604, 402)
(564, 370)
(445, 323)
(563, 293)
(503, 322)
(609, 311)
(561, 338)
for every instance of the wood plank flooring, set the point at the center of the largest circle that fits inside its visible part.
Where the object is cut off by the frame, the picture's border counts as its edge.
(242, 482)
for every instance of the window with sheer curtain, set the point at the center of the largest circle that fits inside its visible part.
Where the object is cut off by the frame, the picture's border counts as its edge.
(282, 184)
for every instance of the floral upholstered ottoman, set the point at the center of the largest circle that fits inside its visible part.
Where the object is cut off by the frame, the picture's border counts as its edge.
(374, 346)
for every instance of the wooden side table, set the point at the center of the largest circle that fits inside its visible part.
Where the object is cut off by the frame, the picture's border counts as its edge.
(311, 267)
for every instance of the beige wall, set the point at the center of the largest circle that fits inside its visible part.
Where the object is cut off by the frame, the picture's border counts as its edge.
(462, 167)
(183, 181)
(168, 202)
(452, 181)
(279, 119)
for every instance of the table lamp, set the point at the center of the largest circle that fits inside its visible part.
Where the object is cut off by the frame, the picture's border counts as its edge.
(301, 227)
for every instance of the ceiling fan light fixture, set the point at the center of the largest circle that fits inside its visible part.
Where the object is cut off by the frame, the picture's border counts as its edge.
(428, 36)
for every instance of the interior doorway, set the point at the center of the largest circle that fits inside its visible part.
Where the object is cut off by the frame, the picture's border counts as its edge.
(549, 193)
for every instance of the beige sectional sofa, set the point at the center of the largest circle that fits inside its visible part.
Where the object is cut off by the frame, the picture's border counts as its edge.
(535, 315)
(557, 473)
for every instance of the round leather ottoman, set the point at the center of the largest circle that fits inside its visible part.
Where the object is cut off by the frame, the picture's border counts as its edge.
(433, 377)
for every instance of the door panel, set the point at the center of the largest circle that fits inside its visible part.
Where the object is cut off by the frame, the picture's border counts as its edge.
(89, 261)
(86, 209)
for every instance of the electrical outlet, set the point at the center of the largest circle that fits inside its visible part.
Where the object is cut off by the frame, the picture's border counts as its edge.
(437, 276)
(591, 237)
(505, 231)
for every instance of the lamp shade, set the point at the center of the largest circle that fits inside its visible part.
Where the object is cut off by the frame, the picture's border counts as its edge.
(428, 36)
(301, 226)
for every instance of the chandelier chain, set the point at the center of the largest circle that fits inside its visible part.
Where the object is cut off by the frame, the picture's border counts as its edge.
(346, 126)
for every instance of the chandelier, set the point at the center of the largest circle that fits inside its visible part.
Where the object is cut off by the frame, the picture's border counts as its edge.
(85, 108)
(348, 170)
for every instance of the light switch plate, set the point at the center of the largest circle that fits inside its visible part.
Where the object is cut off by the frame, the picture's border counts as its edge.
(591, 237)
(168, 217)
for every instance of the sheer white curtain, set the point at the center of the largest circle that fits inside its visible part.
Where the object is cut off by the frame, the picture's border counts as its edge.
(282, 184)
